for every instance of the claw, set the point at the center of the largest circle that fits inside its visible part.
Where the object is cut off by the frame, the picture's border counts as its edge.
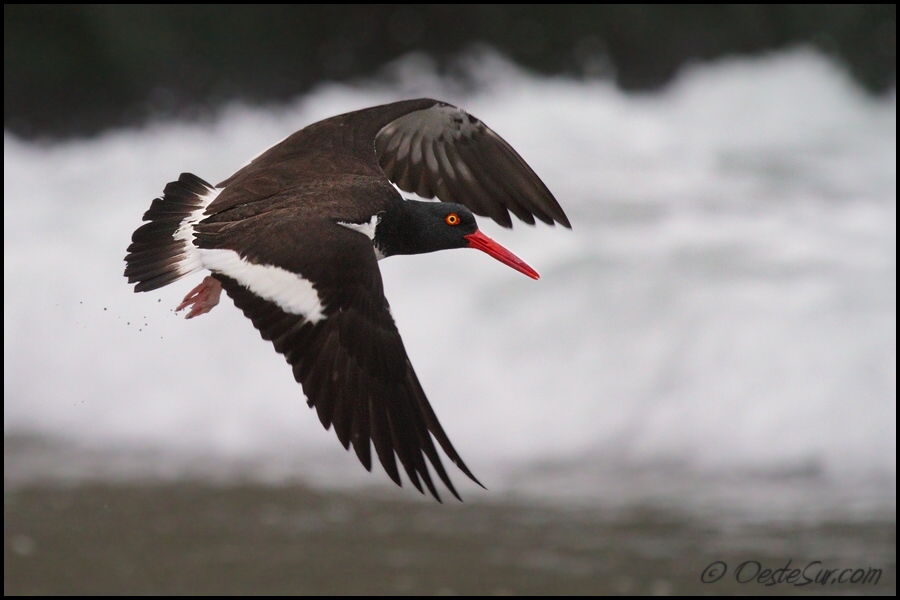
(202, 298)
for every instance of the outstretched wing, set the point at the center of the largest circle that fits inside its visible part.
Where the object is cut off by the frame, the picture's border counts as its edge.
(333, 326)
(444, 151)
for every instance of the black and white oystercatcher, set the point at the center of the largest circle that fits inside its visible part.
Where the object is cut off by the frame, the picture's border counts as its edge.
(295, 236)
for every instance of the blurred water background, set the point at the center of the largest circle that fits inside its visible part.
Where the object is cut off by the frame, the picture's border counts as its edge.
(706, 370)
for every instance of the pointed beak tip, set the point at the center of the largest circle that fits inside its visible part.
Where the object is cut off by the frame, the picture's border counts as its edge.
(527, 271)
(479, 241)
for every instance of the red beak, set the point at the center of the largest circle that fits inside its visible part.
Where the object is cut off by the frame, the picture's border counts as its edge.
(482, 242)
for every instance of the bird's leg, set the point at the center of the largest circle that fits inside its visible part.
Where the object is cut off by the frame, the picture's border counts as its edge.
(202, 298)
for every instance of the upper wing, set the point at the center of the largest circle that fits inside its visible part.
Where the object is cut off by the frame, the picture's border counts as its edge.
(347, 353)
(444, 151)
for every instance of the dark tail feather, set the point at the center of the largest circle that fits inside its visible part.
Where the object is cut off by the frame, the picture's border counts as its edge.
(156, 257)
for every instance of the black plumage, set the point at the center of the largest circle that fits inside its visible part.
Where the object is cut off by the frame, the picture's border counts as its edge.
(318, 210)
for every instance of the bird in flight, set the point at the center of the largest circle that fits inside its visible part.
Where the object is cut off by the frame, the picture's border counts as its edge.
(295, 236)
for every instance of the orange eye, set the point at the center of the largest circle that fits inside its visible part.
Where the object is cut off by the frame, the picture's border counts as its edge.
(452, 219)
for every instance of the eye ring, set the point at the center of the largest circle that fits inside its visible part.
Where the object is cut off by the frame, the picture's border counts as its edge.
(452, 219)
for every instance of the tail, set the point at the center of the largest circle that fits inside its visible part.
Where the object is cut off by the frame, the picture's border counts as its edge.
(163, 250)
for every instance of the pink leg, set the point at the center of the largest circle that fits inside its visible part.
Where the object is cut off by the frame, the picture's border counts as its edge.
(202, 298)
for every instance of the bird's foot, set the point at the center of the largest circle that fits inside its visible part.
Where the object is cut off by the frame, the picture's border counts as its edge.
(202, 298)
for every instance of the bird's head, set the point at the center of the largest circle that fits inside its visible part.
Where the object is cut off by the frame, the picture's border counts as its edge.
(418, 227)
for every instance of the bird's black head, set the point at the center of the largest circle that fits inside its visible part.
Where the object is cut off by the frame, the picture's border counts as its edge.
(414, 227)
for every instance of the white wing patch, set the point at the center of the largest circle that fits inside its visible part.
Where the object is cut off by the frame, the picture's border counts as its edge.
(192, 262)
(290, 291)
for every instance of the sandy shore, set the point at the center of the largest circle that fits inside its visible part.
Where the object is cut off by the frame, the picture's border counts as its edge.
(198, 538)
